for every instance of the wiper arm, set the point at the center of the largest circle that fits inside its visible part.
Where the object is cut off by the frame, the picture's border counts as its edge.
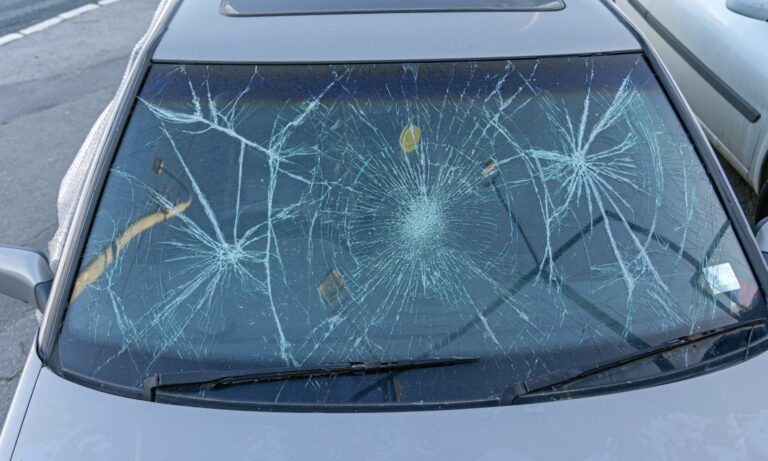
(521, 389)
(217, 379)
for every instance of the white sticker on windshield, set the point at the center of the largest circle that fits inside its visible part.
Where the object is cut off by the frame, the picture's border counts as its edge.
(721, 278)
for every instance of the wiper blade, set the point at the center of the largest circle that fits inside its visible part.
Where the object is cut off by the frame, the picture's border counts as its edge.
(217, 379)
(521, 389)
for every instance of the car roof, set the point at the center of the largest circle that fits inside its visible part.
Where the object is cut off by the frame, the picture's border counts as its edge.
(206, 31)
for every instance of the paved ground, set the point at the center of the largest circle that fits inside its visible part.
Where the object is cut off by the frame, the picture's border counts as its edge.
(53, 85)
(17, 14)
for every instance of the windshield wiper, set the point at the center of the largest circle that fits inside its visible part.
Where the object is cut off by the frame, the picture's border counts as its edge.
(217, 379)
(523, 389)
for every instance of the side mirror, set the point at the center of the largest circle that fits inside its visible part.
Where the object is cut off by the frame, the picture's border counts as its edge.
(25, 275)
(756, 9)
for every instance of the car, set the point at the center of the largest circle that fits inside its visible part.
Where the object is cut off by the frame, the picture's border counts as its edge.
(419, 230)
(721, 68)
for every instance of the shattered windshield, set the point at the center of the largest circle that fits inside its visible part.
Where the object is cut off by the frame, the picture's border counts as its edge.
(540, 215)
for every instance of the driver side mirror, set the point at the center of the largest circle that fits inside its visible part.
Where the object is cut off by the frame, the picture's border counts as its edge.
(25, 275)
(756, 9)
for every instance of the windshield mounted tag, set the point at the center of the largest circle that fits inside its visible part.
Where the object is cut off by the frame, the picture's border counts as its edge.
(721, 278)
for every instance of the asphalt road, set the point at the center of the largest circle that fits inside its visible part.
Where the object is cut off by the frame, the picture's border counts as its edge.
(17, 14)
(53, 85)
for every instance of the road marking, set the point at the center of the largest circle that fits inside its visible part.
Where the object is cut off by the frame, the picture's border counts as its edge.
(78, 11)
(9, 38)
(41, 26)
(50, 22)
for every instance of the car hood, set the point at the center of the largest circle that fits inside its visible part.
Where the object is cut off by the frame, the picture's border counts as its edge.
(722, 415)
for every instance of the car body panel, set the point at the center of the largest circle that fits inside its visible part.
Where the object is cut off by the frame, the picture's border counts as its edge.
(683, 420)
(198, 33)
(720, 415)
(18, 409)
(730, 45)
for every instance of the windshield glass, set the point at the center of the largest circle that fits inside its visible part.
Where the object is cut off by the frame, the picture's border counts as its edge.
(539, 215)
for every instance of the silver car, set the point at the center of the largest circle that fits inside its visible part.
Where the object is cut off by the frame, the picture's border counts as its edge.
(721, 66)
(433, 229)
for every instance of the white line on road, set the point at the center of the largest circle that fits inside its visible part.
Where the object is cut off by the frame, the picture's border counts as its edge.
(78, 11)
(9, 38)
(42, 25)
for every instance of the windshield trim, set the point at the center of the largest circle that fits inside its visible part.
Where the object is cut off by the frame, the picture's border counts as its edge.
(234, 8)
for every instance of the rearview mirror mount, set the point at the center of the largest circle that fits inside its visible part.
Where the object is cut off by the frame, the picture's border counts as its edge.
(25, 275)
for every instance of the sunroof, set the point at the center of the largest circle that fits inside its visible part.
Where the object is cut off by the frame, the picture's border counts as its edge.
(292, 7)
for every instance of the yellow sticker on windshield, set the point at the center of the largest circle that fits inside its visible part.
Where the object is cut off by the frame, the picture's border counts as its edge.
(409, 138)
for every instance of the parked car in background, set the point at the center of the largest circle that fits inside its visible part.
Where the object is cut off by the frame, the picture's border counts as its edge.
(717, 52)
(371, 229)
